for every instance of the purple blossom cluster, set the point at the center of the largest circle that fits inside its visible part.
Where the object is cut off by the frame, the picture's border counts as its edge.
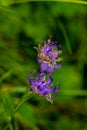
(48, 58)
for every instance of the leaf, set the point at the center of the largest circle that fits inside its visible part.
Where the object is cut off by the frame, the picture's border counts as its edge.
(8, 106)
(6, 75)
(27, 112)
(26, 116)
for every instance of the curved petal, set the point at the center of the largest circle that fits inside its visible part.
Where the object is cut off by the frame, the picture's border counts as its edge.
(57, 66)
(48, 91)
(40, 76)
(32, 82)
(47, 83)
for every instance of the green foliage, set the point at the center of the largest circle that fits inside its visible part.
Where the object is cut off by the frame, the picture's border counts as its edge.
(23, 24)
(70, 79)
(29, 115)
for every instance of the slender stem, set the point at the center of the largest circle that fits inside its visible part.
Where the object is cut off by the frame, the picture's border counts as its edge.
(65, 36)
(8, 126)
(63, 1)
(71, 1)
(7, 74)
(26, 97)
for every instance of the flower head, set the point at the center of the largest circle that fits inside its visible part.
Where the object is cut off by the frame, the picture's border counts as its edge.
(48, 56)
(41, 85)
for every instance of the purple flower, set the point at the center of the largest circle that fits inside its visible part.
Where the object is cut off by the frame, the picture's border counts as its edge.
(48, 56)
(40, 85)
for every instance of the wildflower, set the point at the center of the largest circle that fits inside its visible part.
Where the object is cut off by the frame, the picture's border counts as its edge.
(40, 85)
(48, 56)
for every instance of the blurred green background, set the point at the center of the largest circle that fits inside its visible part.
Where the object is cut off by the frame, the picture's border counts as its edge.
(22, 27)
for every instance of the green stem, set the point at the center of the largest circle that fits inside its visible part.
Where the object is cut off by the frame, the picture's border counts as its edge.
(73, 1)
(8, 127)
(7, 74)
(26, 97)
(24, 1)
(65, 36)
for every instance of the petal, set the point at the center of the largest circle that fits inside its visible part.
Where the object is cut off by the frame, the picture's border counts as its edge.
(38, 59)
(46, 84)
(44, 66)
(54, 56)
(51, 69)
(46, 49)
(40, 76)
(32, 82)
(50, 90)
(47, 91)
(57, 66)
